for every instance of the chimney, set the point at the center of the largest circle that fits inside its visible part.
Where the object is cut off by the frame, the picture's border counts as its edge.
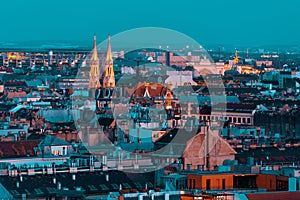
(107, 177)
(167, 196)
(292, 182)
(21, 178)
(74, 177)
(54, 180)
(59, 186)
(18, 184)
(140, 197)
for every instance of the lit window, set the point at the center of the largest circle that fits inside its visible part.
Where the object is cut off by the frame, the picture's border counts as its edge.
(92, 188)
(115, 186)
(38, 191)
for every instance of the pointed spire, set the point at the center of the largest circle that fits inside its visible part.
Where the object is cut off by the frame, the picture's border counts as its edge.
(94, 70)
(108, 52)
(109, 76)
(95, 52)
(95, 41)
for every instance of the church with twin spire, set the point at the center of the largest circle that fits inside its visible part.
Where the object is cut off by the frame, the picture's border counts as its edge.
(95, 78)
(102, 85)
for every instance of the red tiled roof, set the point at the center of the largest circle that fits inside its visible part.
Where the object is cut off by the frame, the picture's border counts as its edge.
(18, 149)
(16, 94)
(275, 196)
(155, 90)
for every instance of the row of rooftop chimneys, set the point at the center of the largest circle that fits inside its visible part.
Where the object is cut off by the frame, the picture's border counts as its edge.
(55, 181)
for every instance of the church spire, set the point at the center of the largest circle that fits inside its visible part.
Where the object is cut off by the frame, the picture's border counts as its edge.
(95, 52)
(109, 75)
(94, 69)
(95, 41)
(108, 52)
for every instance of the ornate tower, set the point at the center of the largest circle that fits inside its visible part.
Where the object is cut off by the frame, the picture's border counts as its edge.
(168, 104)
(236, 58)
(94, 70)
(109, 75)
(168, 100)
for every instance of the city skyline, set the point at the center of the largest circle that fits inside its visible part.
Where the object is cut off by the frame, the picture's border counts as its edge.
(140, 100)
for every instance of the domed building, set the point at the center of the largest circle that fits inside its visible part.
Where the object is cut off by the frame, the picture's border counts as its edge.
(206, 150)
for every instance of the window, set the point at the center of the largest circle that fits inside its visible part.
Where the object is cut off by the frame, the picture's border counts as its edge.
(115, 186)
(207, 184)
(104, 187)
(239, 120)
(126, 185)
(244, 120)
(14, 192)
(248, 120)
(38, 191)
(234, 120)
(149, 184)
(27, 192)
(92, 188)
(51, 190)
(138, 185)
(223, 183)
(230, 119)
